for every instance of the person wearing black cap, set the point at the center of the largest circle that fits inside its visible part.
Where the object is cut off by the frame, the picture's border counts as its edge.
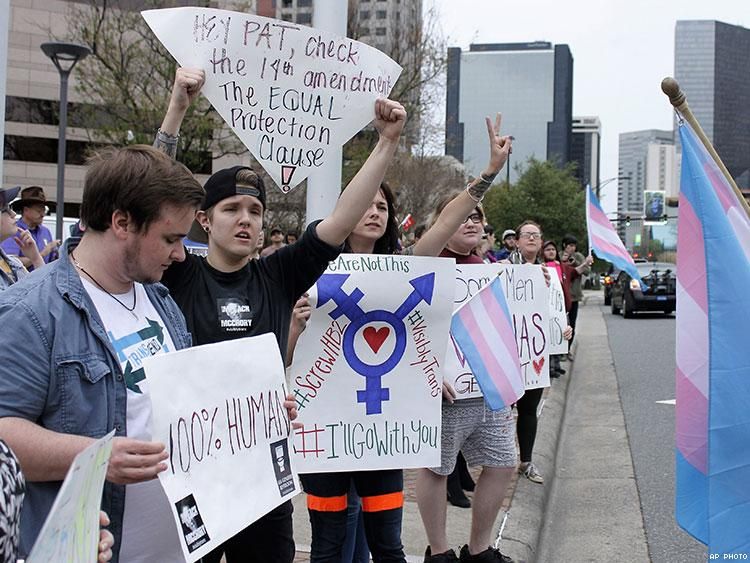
(263, 291)
(11, 267)
(32, 207)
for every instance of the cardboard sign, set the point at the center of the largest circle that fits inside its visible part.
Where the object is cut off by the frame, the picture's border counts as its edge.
(219, 408)
(558, 317)
(528, 300)
(368, 370)
(71, 530)
(288, 91)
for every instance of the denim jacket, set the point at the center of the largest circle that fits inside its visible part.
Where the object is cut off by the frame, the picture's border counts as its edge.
(59, 370)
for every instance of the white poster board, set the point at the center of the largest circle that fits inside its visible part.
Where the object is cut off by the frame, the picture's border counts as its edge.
(288, 91)
(528, 301)
(71, 530)
(558, 317)
(368, 370)
(219, 409)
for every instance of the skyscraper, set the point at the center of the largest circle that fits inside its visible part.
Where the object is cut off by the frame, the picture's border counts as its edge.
(585, 149)
(531, 84)
(636, 174)
(712, 65)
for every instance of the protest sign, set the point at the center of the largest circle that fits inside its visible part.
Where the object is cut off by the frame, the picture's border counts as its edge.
(368, 370)
(288, 91)
(558, 317)
(470, 278)
(528, 301)
(71, 530)
(219, 409)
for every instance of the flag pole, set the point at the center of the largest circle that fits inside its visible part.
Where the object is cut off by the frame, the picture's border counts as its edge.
(678, 99)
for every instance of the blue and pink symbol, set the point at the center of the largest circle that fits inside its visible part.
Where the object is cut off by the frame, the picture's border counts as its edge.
(330, 288)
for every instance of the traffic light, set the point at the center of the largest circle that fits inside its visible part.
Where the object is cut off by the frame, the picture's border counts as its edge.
(627, 220)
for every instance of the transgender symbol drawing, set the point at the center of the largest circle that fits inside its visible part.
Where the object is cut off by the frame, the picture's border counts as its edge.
(330, 288)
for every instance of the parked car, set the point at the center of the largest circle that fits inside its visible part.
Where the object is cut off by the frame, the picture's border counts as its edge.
(607, 281)
(658, 293)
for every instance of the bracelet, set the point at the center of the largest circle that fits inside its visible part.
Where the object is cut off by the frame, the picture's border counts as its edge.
(479, 187)
(489, 179)
(167, 137)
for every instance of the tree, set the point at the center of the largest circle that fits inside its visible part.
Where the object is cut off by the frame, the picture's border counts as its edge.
(414, 39)
(545, 194)
(128, 79)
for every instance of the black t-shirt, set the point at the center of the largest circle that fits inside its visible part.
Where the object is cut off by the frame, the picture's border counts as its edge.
(254, 300)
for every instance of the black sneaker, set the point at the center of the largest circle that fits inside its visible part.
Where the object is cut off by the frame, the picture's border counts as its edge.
(489, 555)
(447, 557)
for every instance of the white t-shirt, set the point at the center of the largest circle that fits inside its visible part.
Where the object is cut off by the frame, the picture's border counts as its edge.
(149, 532)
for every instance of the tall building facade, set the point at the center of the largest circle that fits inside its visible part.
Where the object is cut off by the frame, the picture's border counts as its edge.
(586, 148)
(712, 65)
(531, 84)
(637, 172)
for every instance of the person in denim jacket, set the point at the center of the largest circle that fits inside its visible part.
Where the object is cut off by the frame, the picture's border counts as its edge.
(62, 384)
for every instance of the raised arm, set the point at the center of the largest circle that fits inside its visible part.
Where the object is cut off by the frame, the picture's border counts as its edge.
(436, 237)
(390, 118)
(187, 85)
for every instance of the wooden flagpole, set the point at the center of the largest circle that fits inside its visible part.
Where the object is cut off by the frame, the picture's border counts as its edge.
(678, 99)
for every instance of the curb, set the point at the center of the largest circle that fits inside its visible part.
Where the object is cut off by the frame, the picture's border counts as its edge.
(520, 538)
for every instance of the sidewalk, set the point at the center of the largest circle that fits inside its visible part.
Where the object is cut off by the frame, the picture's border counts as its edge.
(525, 502)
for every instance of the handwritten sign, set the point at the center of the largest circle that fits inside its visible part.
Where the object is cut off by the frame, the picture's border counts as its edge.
(71, 530)
(219, 408)
(528, 301)
(368, 370)
(558, 317)
(288, 91)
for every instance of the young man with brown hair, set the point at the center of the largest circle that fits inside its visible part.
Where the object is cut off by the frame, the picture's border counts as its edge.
(79, 327)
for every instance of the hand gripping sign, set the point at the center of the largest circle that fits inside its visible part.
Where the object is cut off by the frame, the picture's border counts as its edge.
(367, 371)
(71, 530)
(288, 91)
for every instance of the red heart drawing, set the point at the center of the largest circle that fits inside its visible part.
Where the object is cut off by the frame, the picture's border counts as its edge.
(375, 338)
(538, 365)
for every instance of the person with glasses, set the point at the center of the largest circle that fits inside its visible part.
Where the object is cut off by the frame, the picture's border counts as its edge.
(485, 439)
(528, 252)
(12, 268)
(33, 206)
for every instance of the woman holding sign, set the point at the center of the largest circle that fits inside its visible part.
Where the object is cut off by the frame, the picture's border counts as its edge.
(264, 291)
(382, 490)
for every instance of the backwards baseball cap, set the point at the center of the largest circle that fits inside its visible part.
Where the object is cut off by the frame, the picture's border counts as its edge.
(508, 233)
(221, 185)
(7, 195)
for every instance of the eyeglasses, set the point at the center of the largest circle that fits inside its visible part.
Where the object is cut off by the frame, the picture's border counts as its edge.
(531, 236)
(474, 218)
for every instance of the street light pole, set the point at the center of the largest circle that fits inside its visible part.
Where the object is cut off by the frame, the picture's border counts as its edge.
(600, 185)
(64, 56)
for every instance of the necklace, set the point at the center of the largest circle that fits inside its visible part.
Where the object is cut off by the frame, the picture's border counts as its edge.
(130, 310)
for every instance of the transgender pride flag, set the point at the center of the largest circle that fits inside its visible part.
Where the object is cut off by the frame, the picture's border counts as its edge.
(713, 356)
(483, 330)
(603, 239)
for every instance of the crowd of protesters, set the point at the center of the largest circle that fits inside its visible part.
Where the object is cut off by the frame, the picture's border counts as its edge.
(66, 382)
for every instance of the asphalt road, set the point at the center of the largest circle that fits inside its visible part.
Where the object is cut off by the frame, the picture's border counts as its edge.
(643, 350)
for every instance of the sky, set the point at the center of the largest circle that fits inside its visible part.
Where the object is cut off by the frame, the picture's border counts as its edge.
(621, 51)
